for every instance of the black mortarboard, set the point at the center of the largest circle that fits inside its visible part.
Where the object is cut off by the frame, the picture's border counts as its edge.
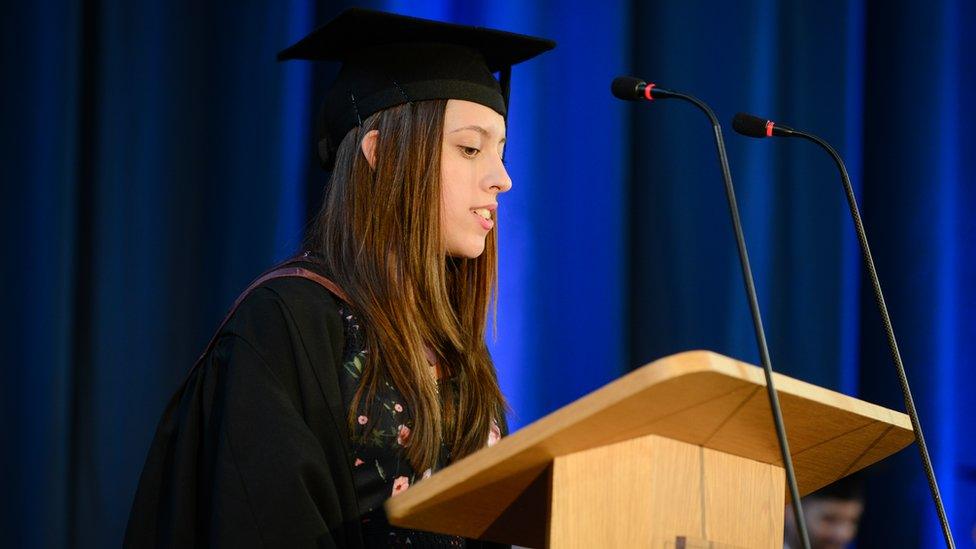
(390, 59)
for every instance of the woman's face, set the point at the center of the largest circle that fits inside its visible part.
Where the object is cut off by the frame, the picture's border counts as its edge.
(472, 176)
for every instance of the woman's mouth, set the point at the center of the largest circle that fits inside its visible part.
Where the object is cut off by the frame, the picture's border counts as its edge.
(484, 217)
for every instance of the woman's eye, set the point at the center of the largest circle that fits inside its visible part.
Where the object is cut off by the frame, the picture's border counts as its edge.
(469, 152)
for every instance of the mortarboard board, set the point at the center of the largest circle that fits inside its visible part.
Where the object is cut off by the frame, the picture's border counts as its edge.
(390, 59)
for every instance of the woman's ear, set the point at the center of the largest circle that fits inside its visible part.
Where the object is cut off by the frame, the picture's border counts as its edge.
(368, 147)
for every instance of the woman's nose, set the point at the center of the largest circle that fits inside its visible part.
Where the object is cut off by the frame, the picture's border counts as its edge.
(500, 182)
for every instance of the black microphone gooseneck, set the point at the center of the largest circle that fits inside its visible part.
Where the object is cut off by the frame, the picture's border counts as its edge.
(634, 89)
(753, 126)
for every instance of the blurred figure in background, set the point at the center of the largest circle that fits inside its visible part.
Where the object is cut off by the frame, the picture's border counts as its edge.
(832, 515)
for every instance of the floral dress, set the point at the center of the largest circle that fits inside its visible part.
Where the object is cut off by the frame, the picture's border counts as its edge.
(380, 465)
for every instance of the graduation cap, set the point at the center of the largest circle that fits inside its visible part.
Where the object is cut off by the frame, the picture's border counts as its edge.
(390, 59)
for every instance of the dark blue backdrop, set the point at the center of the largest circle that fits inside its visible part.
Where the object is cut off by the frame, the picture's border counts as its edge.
(154, 158)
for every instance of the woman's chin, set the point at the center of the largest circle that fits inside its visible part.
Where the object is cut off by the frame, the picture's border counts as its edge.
(467, 250)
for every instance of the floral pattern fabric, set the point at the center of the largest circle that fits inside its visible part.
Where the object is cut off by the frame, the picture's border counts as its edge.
(379, 438)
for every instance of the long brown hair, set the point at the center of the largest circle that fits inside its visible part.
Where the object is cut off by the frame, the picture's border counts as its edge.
(379, 232)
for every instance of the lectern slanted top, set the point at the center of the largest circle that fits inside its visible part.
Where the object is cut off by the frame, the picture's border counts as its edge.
(680, 452)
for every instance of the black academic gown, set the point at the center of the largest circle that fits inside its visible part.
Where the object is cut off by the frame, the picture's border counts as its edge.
(253, 450)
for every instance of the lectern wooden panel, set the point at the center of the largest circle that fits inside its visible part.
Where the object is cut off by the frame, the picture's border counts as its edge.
(681, 451)
(678, 487)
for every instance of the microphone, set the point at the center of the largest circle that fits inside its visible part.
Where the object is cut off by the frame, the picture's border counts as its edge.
(753, 126)
(630, 88)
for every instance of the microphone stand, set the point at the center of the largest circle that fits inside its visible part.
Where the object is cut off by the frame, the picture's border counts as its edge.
(784, 448)
(889, 331)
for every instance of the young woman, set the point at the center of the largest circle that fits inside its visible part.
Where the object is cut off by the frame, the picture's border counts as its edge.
(360, 368)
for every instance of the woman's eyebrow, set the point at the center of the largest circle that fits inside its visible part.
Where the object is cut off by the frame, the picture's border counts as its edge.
(478, 129)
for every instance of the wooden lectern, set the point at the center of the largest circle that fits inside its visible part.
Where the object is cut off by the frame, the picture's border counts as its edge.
(678, 453)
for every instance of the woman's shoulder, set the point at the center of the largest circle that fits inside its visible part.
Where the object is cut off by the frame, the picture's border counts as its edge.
(297, 289)
(286, 311)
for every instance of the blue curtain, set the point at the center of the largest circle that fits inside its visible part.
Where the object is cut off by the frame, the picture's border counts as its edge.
(155, 158)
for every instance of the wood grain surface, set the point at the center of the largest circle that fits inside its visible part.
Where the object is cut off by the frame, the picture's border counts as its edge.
(505, 493)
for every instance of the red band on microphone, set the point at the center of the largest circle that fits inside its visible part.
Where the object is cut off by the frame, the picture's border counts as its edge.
(647, 92)
(769, 128)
